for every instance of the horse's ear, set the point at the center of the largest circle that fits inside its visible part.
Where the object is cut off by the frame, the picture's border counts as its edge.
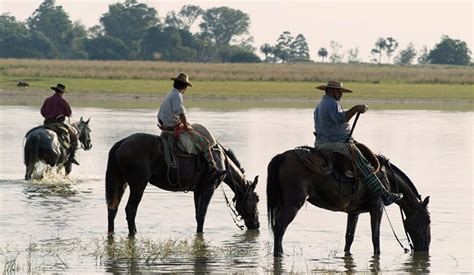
(255, 181)
(426, 201)
(81, 119)
(87, 122)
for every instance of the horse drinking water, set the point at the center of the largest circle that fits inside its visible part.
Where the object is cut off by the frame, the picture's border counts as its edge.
(43, 144)
(291, 182)
(139, 159)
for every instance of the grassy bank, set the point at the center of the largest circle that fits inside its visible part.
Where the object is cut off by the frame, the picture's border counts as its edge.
(139, 84)
(313, 72)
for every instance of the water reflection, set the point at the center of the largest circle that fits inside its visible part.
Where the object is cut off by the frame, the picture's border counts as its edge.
(121, 255)
(202, 259)
(374, 264)
(43, 190)
(418, 262)
(349, 263)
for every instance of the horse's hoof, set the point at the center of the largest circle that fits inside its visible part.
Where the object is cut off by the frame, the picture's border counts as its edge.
(347, 253)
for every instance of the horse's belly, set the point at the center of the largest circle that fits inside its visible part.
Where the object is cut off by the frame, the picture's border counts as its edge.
(332, 204)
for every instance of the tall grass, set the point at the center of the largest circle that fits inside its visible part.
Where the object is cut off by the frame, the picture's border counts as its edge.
(314, 72)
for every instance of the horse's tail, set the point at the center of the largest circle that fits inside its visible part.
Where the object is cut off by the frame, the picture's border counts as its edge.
(114, 180)
(274, 196)
(30, 154)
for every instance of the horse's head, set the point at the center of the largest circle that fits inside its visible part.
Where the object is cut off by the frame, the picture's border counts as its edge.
(418, 226)
(84, 134)
(246, 205)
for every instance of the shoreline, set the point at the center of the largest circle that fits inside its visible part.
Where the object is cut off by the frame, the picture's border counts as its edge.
(35, 97)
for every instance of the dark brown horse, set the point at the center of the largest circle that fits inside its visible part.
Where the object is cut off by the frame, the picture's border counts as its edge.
(139, 159)
(290, 183)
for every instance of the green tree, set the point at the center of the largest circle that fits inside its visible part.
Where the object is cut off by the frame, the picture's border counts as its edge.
(266, 49)
(353, 55)
(170, 44)
(390, 46)
(380, 47)
(129, 22)
(423, 58)
(450, 51)
(335, 57)
(299, 49)
(106, 48)
(223, 24)
(54, 23)
(283, 47)
(31, 45)
(9, 25)
(406, 56)
(323, 53)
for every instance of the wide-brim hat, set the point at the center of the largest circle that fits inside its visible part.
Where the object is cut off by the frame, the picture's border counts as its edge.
(59, 88)
(334, 85)
(182, 77)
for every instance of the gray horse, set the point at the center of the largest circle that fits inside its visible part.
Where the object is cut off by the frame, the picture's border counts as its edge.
(43, 144)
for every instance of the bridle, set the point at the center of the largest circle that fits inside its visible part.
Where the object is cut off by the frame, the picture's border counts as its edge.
(236, 216)
(404, 220)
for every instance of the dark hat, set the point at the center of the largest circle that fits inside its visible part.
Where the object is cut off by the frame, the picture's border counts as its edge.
(182, 77)
(60, 88)
(334, 85)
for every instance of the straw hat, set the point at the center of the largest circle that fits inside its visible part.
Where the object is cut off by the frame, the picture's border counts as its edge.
(182, 77)
(60, 88)
(334, 85)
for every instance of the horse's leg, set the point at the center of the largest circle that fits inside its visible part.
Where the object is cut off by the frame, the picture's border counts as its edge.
(375, 220)
(137, 187)
(283, 219)
(202, 198)
(68, 167)
(112, 207)
(350, 230)
(30, 166)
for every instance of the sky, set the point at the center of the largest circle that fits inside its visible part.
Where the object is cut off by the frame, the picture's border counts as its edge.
(351, 23)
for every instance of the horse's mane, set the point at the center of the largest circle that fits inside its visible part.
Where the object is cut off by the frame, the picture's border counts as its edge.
(230, 154)
(401, 174)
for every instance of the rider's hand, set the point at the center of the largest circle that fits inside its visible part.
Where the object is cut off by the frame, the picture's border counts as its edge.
(362, 108)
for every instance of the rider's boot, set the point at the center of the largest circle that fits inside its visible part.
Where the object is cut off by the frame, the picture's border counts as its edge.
(72, 157)
(377, 187)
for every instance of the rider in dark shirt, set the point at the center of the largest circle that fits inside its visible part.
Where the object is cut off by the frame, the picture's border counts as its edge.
(55, 109)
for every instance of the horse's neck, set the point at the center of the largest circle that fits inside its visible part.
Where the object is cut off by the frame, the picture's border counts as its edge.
(235, 179)
(411, 200)
(77, 129)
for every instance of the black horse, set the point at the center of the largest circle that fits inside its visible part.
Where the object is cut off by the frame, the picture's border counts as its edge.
(139, 159)
(291, 183)
(43, 144)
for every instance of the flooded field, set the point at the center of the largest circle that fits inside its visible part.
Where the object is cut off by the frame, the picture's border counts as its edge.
(60, 224)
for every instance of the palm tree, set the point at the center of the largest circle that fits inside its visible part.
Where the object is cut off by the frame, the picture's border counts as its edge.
(322, 53)
(266, 49)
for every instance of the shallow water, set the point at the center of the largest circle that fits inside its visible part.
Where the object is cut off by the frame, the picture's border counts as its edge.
(60, 224)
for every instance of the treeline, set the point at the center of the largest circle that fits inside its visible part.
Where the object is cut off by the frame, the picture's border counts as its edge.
(133, 31)
(130, 31)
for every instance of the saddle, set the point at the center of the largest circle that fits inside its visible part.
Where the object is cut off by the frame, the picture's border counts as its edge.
(60, 129)
(326, 162)
(181, 151)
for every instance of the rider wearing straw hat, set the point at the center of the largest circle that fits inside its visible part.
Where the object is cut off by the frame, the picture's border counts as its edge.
(172, 117)
(332, 133)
